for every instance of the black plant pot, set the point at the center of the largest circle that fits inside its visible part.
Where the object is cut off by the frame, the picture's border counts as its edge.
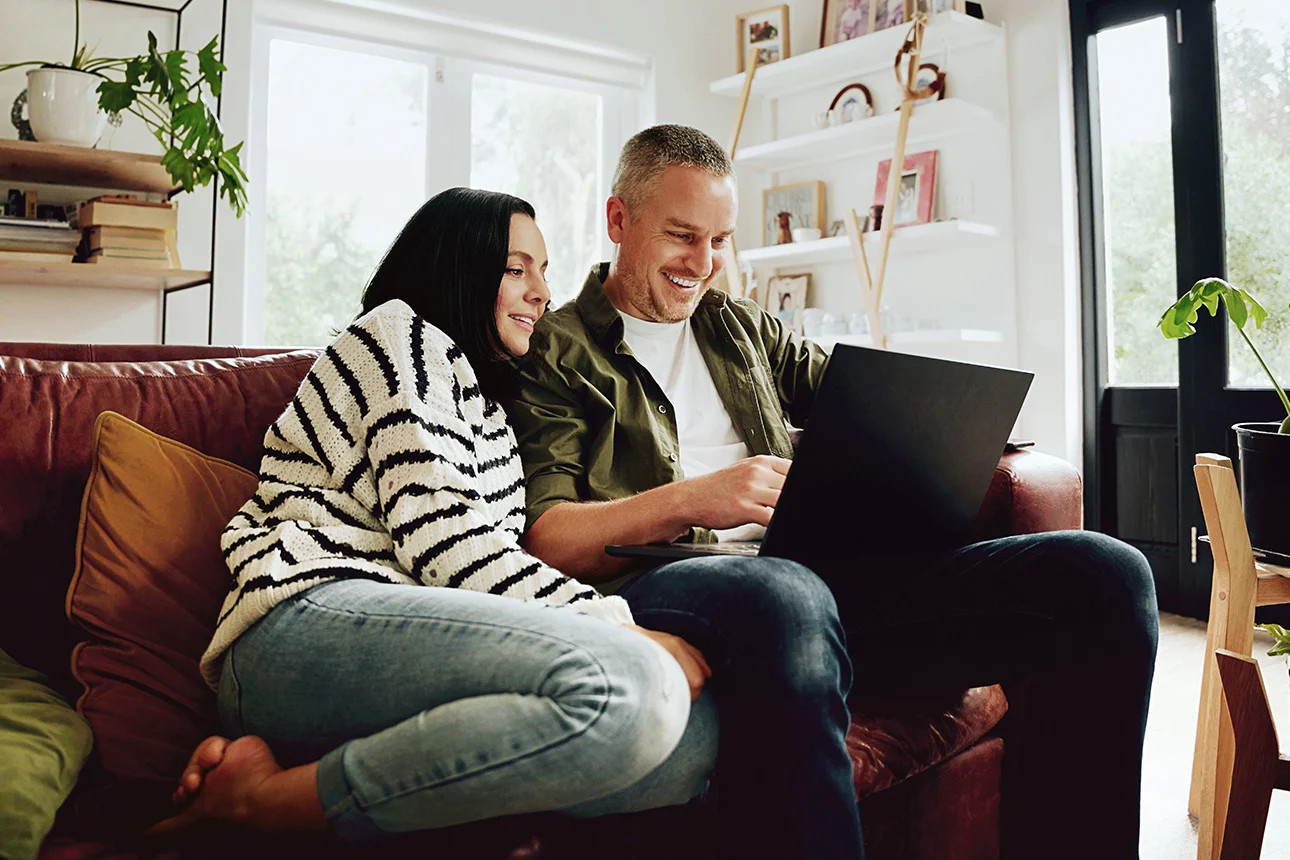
(1265, 484)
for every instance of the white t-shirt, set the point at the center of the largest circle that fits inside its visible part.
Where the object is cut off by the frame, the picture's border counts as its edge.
(707, 436)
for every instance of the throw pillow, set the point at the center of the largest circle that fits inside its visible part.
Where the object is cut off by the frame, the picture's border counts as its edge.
(43, 744)
(148, 586)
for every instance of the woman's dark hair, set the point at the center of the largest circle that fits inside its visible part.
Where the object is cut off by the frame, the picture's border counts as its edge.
(447, 263)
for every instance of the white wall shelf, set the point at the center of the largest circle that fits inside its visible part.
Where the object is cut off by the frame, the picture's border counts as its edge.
(930, 123)
(912, 338)
(861, 56)
(937, 236)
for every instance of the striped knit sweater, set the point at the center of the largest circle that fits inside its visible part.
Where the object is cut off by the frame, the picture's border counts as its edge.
(388, 465)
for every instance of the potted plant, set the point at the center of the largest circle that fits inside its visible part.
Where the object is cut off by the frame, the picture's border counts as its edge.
(69, 104)
(1264, 446)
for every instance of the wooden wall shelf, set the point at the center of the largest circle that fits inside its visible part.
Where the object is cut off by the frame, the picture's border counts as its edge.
(28, 161)
(25, 274)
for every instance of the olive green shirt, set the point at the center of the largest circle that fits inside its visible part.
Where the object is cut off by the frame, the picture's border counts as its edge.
(594, 425)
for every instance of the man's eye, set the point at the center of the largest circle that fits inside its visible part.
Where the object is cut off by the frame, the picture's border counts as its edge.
(720, 241)
(684, 237)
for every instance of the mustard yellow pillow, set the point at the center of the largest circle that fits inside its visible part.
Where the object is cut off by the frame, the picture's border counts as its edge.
(148, 586)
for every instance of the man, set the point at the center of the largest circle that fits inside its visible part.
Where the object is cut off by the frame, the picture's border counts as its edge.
(657, 408)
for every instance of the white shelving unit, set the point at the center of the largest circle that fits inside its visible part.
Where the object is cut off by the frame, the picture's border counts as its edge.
(856, 58)
(957, 274)
(938, 236)
(930, 124)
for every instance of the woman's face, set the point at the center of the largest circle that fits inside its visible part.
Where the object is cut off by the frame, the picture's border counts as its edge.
(522, 297)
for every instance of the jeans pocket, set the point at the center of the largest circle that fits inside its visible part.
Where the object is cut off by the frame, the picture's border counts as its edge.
(230, 697)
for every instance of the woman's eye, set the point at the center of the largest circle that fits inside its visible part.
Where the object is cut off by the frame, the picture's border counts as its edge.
(519, 273)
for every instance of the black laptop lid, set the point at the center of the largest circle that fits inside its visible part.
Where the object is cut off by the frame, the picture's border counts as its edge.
(897, 454)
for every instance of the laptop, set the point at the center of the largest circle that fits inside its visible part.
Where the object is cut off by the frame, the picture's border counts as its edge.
(898, 451)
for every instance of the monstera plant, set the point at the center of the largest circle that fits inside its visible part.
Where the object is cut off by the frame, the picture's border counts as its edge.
(1264, 446)
(172, 92)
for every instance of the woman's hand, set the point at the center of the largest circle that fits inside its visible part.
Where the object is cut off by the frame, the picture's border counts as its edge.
(691, 659)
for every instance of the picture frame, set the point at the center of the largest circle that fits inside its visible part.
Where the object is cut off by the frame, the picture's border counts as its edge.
(855, 101)
(917, 192)
(844, 20)
(783, 207)
(939, 6)
(838, 228)
(889, 13)
(767, 29)
(786, 297)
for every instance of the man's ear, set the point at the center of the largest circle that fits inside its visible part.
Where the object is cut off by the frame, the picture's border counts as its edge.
(617, 219)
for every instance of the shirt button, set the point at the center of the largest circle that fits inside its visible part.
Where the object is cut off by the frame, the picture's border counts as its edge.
(672, 458)
(662, 408)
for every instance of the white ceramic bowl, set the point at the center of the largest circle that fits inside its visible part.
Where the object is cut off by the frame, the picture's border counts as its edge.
(806, 234)
(64, 106)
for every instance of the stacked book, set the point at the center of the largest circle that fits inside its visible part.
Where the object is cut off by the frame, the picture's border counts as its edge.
(27, 240)
(124, 231)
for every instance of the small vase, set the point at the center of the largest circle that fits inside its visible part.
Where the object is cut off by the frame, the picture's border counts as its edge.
(63, 105)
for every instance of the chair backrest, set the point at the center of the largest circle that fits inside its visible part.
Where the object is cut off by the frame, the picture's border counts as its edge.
(1235, 580)
(1254, 758)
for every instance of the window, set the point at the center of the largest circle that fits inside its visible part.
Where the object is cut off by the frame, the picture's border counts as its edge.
(345, 169)
(1254, 86)
(359, 134)
(541, 143)
(1138, 201)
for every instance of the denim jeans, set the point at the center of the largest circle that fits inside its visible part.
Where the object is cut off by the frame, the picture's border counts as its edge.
(1066, 621)
(428, 707)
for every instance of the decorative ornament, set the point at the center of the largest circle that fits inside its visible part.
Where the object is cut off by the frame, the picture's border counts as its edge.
(15, 117)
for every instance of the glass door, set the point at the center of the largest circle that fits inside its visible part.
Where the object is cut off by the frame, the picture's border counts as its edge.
(1207, 200)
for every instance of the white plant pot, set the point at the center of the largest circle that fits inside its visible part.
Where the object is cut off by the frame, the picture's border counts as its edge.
(64, 106)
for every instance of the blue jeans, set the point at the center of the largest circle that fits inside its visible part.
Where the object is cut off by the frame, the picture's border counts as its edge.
(1066, 621)
(428, 707)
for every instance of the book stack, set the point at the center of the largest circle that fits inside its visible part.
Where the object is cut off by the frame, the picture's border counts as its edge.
(29, 241)
(124, 231)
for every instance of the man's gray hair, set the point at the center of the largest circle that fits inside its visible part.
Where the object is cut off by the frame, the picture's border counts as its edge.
(650, 152)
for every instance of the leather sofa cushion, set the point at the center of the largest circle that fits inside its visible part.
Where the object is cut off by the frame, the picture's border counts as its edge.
(1030, 492)
(146, 591)
(221, 406)
(891, 741)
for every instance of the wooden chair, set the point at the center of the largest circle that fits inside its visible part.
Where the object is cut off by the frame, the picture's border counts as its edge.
(1240, 584)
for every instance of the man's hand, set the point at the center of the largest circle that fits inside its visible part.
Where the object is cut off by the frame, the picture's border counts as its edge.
(746, 492)
(692, 663)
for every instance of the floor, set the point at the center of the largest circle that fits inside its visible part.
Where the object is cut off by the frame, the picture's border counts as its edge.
(1167, 832)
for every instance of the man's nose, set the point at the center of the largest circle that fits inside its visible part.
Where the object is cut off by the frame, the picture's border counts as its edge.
(700, 261)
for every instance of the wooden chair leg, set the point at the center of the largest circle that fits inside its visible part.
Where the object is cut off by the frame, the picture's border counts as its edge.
(1249, 758)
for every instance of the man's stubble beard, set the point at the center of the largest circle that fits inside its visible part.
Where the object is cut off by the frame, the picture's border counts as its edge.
(637, 286)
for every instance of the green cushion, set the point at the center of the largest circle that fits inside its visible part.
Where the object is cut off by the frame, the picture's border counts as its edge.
(43, 743)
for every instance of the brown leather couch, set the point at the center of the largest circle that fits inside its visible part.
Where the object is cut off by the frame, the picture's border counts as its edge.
(927, 776)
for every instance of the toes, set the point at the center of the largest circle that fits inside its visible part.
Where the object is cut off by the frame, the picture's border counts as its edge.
(210, 752)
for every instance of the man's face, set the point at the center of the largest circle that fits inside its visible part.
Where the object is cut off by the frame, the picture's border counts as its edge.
(673, 247)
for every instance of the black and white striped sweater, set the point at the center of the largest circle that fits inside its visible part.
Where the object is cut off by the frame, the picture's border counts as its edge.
(388, 465)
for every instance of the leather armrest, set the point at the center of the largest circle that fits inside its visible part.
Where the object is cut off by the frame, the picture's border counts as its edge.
(1030, 492)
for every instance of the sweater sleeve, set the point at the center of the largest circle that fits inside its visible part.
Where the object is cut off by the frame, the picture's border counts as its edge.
(421, 452)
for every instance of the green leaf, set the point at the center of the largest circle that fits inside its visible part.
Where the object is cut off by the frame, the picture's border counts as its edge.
(1236, 309)
(211, 68)
(115, 96)
(1257, 310)
(1276, 630)
(1279, 649)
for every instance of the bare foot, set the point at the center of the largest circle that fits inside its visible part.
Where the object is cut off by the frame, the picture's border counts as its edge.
(225, 791)
(206, 757)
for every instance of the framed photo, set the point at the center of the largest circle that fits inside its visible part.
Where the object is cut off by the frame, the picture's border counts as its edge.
(916, 193)
(939, 6)
(889, 13)
(845, 20)
(853, 102)
(784, 207)
(838, 228)
(767, 30)
(787, 299)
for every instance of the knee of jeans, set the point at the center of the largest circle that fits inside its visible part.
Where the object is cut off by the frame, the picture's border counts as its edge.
(1121, 579)
(631, 696)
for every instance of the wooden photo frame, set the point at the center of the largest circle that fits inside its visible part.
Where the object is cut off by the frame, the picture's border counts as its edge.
(844, 20)
(765, 29)
(917, 189)
(784, 207)
(786, 297)
(939, 6)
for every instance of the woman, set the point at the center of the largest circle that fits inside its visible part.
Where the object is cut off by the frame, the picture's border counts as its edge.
(394, 706)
